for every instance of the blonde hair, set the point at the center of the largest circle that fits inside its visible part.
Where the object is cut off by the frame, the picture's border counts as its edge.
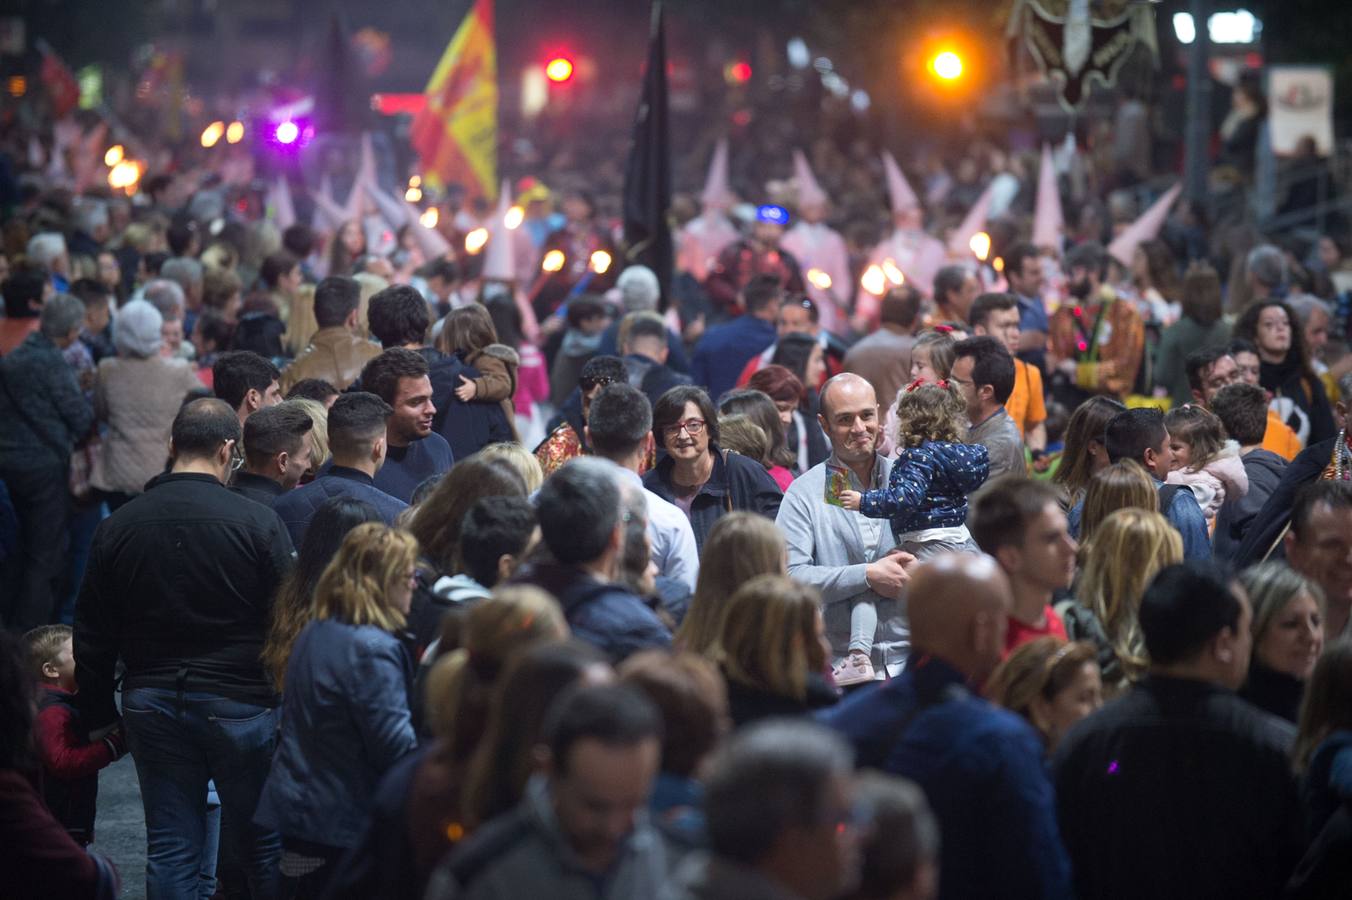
(769, 638)
(371, 285)
(1123, 485)
(519, 458)
(930, 412)
(319, 435)
(373, 560)
(1127, 550)
(1271, 586)
(740, 546)
(460, 683)
(1043, 667)
(301, 324)
(44, 645)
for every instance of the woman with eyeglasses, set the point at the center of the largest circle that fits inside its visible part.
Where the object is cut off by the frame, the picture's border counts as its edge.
(345, 712)
(697, 475)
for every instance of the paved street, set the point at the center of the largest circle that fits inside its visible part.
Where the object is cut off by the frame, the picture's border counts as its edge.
(120, 829)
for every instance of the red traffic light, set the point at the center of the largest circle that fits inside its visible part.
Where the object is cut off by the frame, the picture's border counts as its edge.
(559, 69)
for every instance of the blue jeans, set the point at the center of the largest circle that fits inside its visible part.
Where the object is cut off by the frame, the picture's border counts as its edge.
(180, 742)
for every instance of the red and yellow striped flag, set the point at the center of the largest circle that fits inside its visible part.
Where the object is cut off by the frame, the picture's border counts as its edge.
(456, 134)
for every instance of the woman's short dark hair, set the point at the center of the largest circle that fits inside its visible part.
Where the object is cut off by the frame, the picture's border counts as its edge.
(670, 408)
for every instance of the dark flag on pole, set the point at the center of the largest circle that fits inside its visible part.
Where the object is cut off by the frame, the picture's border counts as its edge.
(647, 175)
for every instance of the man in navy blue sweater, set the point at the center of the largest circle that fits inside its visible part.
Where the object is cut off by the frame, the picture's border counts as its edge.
(981, 767)
(726, 349)
(414, 452)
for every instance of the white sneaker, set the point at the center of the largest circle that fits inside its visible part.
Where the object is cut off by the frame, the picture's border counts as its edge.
(853, 669)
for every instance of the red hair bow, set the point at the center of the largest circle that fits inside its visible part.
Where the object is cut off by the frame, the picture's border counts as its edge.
(942, 382)
(943, 329)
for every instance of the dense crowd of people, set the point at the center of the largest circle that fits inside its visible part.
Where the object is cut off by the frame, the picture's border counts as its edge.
(472, 562)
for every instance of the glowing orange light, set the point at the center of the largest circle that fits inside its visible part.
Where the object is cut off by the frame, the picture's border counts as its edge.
(475, 240)
(212, 134)
(559, 69)
(981, 245)
(874, 281)
(947, 65)
(553, 261)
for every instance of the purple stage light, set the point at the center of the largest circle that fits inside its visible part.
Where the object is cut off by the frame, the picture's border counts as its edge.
(287, 133)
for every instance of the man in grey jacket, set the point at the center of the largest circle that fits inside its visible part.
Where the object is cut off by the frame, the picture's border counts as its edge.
(846, 556)
(582, 830)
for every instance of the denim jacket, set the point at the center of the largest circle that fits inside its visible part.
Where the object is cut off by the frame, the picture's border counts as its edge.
(345, 723)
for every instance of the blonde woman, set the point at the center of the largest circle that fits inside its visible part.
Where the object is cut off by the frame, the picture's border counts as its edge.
(1127, 550)
(345, 714)
(519, 458)
(319, 436)
(773, 650)
(1051, 682)
(741, 546)
(1123, 484)
(1288, 636)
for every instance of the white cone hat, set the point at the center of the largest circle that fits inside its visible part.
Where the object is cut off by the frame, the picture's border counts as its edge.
(899, 192)
(959, 242)
(1145, 228)
(810, 192)
(716, 191)
(1047, 220)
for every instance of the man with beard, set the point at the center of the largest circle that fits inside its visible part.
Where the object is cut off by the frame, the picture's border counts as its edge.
(1096, 341)
(414, 452)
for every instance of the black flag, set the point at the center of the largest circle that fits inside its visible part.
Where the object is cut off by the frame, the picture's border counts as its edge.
(647, 176)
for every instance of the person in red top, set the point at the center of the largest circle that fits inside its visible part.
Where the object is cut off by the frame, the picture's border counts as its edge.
(40, 860)
(70, 764)
(1020, 523)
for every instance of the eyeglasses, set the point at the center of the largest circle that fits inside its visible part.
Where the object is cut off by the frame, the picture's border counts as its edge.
(692, 427)
(590, 384)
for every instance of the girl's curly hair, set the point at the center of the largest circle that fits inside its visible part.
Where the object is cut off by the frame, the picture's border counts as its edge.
(931, 412)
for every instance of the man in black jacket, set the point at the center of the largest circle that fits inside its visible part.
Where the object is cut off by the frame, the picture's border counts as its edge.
(276, 452)
(399, 317)
(179, 586)
(1180, 788)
